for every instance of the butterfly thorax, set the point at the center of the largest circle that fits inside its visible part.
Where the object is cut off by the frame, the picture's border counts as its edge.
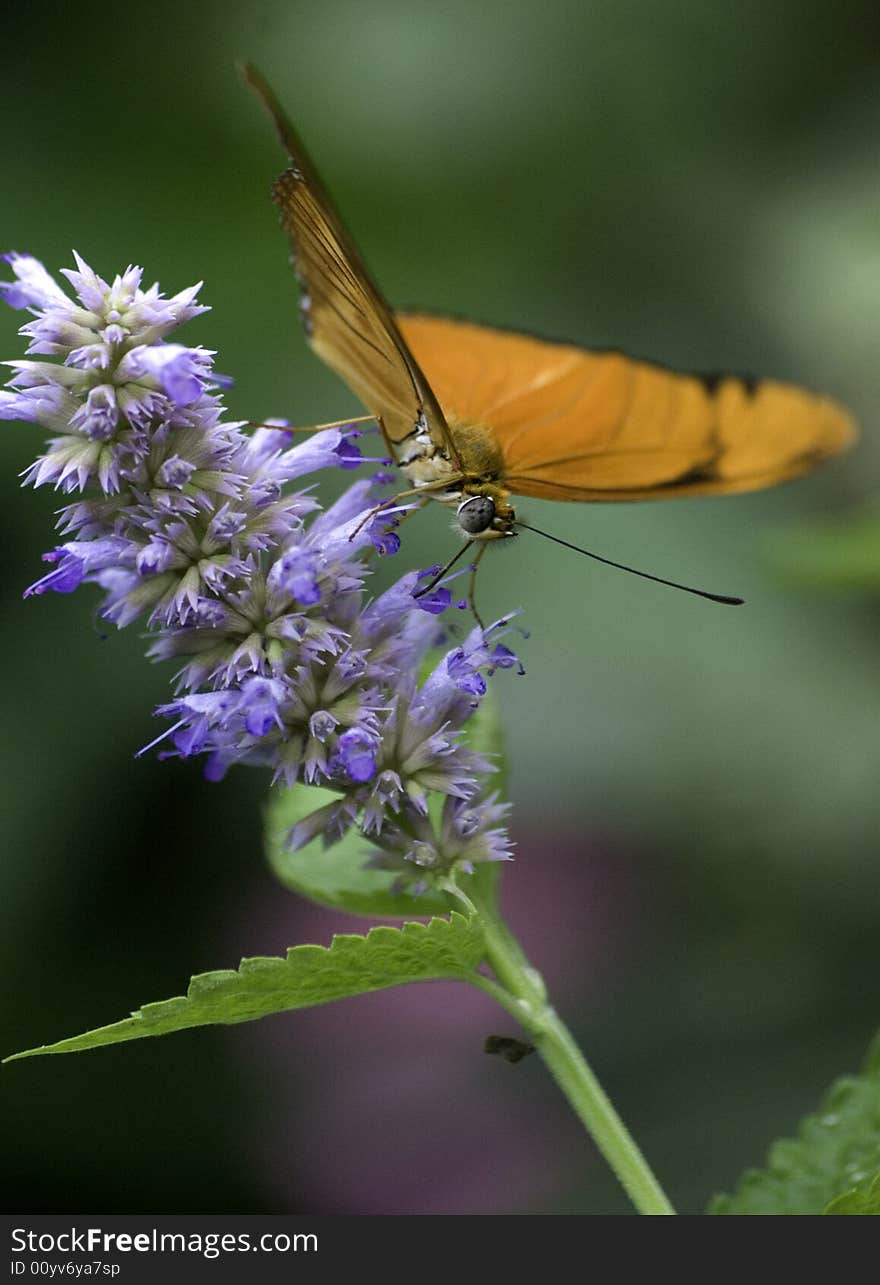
(482, 505)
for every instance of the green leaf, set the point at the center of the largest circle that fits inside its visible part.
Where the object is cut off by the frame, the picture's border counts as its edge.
(309, 975)
(860, 1200)
(836, 1151)
(839, 555)
(338, 876)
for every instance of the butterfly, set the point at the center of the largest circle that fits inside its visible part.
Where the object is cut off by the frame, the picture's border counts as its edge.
(474, 414)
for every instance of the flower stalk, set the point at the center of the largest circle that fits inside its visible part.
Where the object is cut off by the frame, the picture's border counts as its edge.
(520, 989)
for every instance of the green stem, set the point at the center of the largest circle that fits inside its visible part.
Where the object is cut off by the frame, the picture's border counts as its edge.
(520, 990)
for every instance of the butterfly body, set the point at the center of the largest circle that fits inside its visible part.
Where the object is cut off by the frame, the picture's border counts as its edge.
(471, 483)
(473, 414)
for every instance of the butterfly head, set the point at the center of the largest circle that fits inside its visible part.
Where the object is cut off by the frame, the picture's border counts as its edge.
(484, 513)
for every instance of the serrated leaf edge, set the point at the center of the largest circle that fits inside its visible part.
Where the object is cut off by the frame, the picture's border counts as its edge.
(201, 985)
(777, 1162)
(867, 1194)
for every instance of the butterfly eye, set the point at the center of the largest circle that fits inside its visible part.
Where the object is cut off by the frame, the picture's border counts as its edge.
(476, 514)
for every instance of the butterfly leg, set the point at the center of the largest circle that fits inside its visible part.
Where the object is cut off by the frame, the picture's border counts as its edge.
(472, 585)
(451, 479)
(314, 428)
(404, 517)
(387, 440)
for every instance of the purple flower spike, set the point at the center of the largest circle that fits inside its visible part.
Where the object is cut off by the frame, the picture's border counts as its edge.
(194, 527)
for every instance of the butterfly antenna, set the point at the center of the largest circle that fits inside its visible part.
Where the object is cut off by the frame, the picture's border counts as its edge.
(673, 584)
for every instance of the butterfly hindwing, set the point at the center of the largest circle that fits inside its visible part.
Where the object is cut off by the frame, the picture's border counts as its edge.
(576, 424)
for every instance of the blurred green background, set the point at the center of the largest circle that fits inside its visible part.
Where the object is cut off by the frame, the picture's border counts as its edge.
(695, 788)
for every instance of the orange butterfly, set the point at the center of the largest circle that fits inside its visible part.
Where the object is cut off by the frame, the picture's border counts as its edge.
(473, 414)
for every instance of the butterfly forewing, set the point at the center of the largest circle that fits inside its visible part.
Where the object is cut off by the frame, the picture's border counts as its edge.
(573, 424)
(347, 321)
(340, 318)
(558, 421)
